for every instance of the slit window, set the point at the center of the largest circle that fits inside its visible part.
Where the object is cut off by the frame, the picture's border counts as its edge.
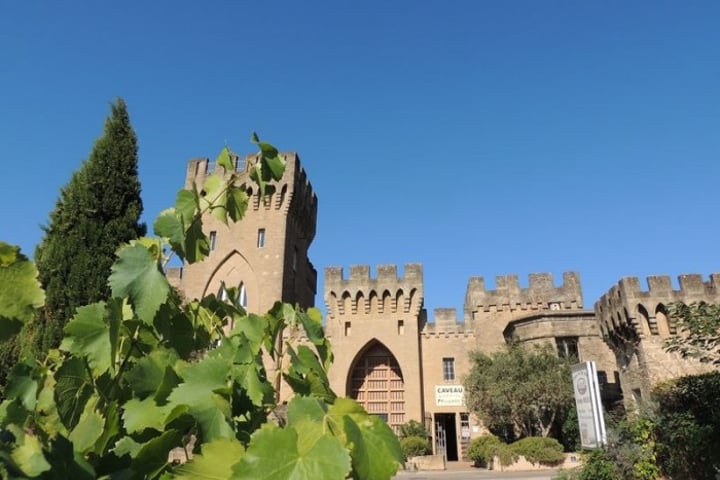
(261, 238)
(213, 240)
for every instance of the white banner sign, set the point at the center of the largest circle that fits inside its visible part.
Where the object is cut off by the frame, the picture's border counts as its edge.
(589, 407)
(449, 395)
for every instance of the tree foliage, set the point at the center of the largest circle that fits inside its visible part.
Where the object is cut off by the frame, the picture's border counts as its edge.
(519, 392)
(98, 210)
(142, 374)
(698, 327)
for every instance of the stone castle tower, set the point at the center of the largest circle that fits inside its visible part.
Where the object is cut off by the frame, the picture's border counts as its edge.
(635, 323)
(265, 255)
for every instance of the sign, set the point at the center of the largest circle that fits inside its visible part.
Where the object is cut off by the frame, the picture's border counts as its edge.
(589, 407)
(449, 395)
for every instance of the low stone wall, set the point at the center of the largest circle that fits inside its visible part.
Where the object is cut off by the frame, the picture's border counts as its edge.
(572, 460)
(426, 462)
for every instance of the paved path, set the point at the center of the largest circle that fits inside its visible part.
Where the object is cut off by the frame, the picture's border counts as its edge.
(464, 472)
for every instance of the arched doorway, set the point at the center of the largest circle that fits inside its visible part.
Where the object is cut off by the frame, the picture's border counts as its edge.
(376, 382)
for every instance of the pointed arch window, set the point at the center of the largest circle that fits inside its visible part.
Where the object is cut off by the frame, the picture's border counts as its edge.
(242, 295)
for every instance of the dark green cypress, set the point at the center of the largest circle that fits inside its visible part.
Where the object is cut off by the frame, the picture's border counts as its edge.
(98, 210)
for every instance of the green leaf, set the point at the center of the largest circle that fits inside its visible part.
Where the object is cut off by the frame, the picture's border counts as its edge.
(139, 415)
(127, 446)
(312, 323)
(197, 245)
(20, 294)
(187, 206)
(200, 382)
(111, 428)
(375, 450)
(224, 160)
(274, 454)
(214, 463)
(148, 373)
(92, 333)
(136, 275)
(153, 455)
(28, 454)
(276, 165)
(88, 429)
(72, 390)
(237, 203)
(214, 197)
(22, 386)
(169, 225)
(306, 376)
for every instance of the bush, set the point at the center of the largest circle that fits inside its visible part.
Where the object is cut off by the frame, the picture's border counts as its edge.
(413, 428)
(688, 426)
(414, 446)
(545, 450)
(570, 431)
(483, 449)
(599, 466)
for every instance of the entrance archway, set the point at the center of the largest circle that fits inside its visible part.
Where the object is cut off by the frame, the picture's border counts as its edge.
(376, 382)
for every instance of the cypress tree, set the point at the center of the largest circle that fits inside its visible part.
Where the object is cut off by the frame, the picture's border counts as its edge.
(98, 210)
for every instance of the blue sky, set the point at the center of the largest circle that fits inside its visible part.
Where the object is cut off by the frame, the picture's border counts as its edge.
(475, 137)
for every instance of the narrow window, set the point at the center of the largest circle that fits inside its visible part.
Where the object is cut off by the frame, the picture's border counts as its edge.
(295, 260)
(448, 369)
(213, 238)
(401, 327)
(242, 296)
(567, 347)
(347, 329)
(261, 238)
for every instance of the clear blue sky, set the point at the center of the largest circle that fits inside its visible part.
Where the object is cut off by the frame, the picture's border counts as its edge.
(475, 137)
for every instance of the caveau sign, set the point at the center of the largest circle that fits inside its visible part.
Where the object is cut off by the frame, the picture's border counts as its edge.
(449, 395)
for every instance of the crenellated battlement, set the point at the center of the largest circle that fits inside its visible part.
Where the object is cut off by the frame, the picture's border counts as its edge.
(628, 308)
(293, 195)
(541, 293)
(362, 294)
(445, 322)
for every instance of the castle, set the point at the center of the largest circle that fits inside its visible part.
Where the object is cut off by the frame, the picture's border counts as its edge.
(401, 366)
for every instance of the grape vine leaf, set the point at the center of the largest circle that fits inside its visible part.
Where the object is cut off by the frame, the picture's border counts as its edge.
(214, 462)
(136, 275)
(375, 450)
(88, 429)
(21, 386)
(73, 388)
(201, 380)
(224, 160)
(282, 454)
(20, 294)
(28, 455)
(93, 334)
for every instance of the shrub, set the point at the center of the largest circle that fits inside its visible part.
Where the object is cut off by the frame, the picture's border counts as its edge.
(688, 426)
(599, 466)
(543, 450)
(413, 428)
(414, 446)
(483, 449)
(570, 431)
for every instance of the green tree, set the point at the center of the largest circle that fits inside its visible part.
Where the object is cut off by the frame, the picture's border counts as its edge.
(98, 210)
(698, 327)
(143, 374)
(519, 392)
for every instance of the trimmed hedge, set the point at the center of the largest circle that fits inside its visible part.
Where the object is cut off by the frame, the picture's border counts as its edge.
(544, 450)
(414, 446)
(483, 449)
